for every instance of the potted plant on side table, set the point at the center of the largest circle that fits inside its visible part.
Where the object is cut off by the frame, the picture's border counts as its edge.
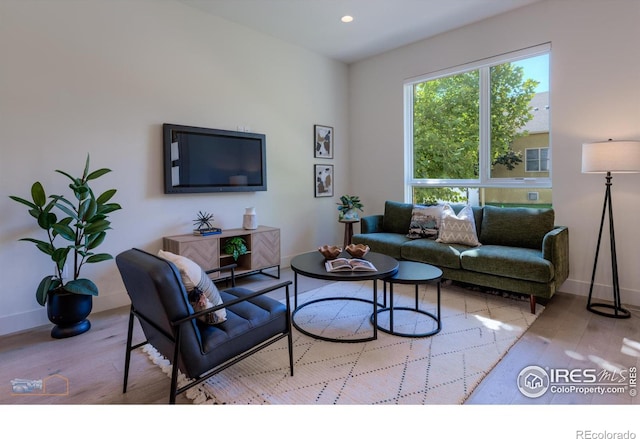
(82, 226)
(348, 208)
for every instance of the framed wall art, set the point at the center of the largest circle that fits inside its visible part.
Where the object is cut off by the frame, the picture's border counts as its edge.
(323, 180)
(323, 142)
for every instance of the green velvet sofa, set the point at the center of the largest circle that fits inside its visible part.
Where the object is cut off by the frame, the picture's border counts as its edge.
(521, 250)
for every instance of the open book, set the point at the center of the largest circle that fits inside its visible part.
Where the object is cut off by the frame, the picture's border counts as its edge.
(344, 264)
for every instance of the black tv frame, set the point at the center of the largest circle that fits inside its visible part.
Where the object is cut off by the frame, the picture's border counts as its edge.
(168, 129)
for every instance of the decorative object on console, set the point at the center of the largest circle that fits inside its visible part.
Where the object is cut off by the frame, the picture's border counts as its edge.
(330, 251)
(348, 207)
(203, 221)
(323, 142)
(204, 226)
(84, 226)
(323, 180)
(235, 246)
(609, 157)
(357, 250)
(249, 220)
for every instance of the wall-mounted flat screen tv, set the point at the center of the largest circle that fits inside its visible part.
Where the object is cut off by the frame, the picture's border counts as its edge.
(212, 160)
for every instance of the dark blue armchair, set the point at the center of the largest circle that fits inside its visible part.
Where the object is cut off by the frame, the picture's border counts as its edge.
(159, 300)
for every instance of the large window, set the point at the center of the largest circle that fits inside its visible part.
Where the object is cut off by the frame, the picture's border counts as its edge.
(480, 133)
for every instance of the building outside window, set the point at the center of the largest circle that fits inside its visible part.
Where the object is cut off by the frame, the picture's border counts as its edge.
(479, 133)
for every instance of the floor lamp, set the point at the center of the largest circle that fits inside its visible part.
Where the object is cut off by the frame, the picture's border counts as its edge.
(609, 157)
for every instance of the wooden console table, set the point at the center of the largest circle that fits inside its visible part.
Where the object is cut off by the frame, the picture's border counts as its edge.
(263, 250)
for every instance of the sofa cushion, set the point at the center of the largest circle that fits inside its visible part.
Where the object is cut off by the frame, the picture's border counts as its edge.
(515, 226)
(458, 229)
(432, 252)
(514, 262)
(385, 243)
(425, 221)
(397, 217)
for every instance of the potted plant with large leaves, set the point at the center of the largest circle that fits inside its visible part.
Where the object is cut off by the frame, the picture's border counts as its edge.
(74, 228)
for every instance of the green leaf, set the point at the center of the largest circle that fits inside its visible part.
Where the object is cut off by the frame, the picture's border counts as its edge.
(45, 220)
(106, 196)
(81, 286)
(65, 174)
(47, 284)
(59, 256)
(23, 201)
(98, 173)
(86, 169)
(43, 246)
(98, 258)
(93, 241)
(108, 208)
(65, 231)
(97, 227)
(38, 195)
(71, 212)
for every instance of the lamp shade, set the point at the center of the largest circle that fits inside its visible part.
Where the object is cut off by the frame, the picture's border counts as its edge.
(611, 156)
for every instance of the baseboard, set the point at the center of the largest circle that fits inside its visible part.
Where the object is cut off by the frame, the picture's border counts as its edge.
(601, 292)
(38, 317)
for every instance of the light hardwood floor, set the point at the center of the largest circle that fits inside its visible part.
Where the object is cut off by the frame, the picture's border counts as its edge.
(566, 335)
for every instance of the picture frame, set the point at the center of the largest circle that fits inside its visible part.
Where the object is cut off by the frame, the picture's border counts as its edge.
(323, 180)
(322, 142)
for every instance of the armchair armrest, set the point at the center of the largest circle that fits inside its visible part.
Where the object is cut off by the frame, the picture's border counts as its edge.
(231, 267)
(555, 248)
(371, 224)
(284, 284)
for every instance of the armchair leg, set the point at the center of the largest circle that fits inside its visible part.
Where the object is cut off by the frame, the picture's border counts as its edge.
(174, 369)
(532, 303)
(290, 332)
(127, 358)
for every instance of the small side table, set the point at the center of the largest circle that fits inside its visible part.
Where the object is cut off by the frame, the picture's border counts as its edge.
(413, 273)
(348, 230)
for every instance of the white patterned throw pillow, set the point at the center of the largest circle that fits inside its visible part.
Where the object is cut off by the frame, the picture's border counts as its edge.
(458, 229)
(203, 293)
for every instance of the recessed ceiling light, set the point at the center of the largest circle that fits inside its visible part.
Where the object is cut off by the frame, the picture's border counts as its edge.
(347, 19)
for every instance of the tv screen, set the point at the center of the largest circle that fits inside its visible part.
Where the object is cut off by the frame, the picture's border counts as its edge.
(212, 160)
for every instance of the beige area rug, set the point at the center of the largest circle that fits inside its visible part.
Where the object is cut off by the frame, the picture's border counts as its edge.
(477, 331)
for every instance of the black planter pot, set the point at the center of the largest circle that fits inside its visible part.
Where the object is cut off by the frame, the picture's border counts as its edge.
(69, 313)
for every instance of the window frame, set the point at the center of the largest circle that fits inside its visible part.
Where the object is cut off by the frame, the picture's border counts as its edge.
(484, 179)
(538, 159)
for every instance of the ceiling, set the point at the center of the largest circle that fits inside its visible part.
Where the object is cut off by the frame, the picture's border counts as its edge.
(378, 25)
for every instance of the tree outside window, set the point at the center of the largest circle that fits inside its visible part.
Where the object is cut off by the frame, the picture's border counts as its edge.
(470, 131)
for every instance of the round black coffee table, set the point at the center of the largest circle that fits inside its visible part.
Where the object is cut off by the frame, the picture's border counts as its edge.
(312, 265)
(412, 273)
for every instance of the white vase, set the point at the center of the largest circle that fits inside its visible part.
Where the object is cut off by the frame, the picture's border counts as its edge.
(249, 221)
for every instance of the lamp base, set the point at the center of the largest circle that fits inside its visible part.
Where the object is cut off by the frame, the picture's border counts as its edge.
(617, 312)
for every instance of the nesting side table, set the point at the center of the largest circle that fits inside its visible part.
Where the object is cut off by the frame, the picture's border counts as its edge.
(413, 273)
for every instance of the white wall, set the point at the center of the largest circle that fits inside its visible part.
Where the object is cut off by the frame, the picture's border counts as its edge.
(595, 96)
(101, 77)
